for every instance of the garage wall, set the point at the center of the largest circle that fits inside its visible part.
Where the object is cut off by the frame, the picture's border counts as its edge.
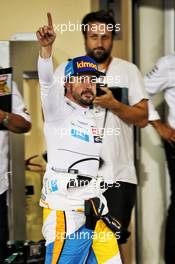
(152, 161)
(27, 16)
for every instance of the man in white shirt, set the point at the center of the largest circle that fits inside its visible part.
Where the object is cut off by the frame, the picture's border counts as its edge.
(162, 79)
(18, 122)
(129, 109)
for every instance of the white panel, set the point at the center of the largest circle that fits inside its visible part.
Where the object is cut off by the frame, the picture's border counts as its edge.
(169, 48)
(152, 160)
(4, 54)
(169, 26)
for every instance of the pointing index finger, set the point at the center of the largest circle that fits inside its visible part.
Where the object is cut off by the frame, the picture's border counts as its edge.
(49, 19)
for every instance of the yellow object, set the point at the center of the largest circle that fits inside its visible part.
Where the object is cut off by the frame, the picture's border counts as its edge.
(103, 240)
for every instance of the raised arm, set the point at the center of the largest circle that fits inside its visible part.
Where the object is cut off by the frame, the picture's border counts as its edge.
(46, 37)
(51, 87)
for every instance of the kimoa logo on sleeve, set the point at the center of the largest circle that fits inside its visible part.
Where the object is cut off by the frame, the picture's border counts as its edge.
(84, 64)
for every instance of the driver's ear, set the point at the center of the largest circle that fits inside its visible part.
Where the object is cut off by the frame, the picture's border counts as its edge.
(67, 87)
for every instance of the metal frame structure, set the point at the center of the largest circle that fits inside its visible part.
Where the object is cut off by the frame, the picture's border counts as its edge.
(22, 56)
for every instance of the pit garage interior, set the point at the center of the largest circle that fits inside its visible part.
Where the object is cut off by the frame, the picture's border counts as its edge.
(147, 33)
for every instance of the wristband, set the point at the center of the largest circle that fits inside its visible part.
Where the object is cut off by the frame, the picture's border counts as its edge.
(5, 120)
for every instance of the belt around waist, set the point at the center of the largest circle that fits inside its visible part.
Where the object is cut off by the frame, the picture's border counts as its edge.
(81, 178)
(74, 171)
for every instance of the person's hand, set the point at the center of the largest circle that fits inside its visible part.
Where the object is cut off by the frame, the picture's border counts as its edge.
(165, 131)
(2, 115)
(46, 35)
(105, 100)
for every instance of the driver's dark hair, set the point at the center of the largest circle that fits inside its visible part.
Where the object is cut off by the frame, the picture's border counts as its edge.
(99, 16)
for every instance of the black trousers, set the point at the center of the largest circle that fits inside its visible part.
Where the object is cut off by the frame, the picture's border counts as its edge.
(120, 202)
(3, 226)
(170, 221)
